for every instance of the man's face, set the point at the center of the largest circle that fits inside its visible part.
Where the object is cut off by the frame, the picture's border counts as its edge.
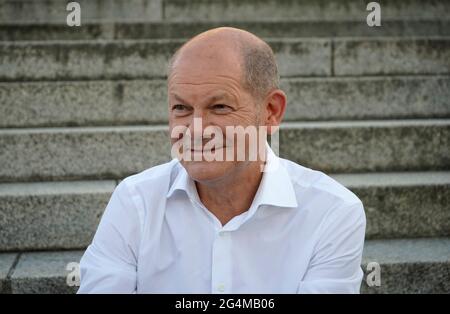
(209, 86)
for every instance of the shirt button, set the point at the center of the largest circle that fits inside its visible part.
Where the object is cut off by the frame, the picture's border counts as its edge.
(223, 234)
(221, 288)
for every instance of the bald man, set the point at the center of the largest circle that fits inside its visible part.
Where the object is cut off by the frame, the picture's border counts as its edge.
(239, 222)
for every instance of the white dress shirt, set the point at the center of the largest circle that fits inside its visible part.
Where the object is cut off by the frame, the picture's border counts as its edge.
(303, 233)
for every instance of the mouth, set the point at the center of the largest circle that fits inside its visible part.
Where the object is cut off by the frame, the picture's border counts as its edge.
(206, 151)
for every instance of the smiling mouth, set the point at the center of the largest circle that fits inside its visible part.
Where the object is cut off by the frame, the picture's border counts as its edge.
(206, 151)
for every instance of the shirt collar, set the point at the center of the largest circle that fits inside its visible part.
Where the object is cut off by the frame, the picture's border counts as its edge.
(182, 182)
(274, 189)
(276, 186)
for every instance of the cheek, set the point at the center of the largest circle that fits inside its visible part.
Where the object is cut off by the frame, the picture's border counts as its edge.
(176, 131)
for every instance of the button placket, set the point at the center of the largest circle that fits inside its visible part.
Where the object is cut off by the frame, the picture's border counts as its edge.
(221, 264)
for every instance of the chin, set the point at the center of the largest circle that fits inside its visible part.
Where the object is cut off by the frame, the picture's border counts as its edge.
(207, 171)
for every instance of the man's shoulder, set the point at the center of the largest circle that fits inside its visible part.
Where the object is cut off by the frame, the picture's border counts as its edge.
(318, 184)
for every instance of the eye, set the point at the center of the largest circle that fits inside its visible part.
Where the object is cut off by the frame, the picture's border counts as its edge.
(222, 108)
(180, 110)
(179, 107)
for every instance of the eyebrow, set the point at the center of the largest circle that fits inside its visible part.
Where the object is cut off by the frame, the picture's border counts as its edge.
(213, 98)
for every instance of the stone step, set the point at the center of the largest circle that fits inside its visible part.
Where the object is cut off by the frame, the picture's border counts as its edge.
(407, 266)
(115, 152)
(51, 215)
(264, 29)
(402, 204)
(39, 272)
(391, 56)
(181, 10)
(7, 262)
(54, 11)
(138, 59)
(91, 103)
(65, 215)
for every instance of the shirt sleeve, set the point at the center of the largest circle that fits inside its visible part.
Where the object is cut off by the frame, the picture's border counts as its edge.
(109, 264)
(335, 266)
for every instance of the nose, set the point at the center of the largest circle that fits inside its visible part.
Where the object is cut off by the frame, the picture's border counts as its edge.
(196, 127)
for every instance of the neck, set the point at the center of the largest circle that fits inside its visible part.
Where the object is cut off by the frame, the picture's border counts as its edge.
(232, 195)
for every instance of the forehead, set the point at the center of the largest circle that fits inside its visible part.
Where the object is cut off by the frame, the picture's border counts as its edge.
(206, 61)
(193, 82)
(204, 92)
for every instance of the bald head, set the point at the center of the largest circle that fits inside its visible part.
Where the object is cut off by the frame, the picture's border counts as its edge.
(240, 50)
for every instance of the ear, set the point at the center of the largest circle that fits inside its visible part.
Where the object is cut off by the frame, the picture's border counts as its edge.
(275, 107)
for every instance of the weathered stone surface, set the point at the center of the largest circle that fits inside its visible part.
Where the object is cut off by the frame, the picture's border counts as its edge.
(76, 60)
(409, 204)
(392, 56)
(410, 265)
(83, 103)
(84, 60)
(145, 101)
(6, 263)
(300, 10)
(59, 215)
(44, 272)
(116, 152)
(366, 146)
(367, 98)
(54, 11)
(265, 29)
(102, 152)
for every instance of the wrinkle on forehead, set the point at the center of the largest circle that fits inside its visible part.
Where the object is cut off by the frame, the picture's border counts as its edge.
(203, 80)
(225, 82)
(224, 90)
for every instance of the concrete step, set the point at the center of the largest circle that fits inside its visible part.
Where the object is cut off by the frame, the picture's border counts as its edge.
(51, 215)
(7, 262)
(39, 272)
(407, 266)
(65, 215)
(265, 29)
(106, 10)
(115, 152)
(181, 10)
(391, 56)
(137, 59)
(91, 103)
(402, 204)
(55, 11)
(410, 265)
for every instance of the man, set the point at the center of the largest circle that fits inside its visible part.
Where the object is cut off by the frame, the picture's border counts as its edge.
(223, 225)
